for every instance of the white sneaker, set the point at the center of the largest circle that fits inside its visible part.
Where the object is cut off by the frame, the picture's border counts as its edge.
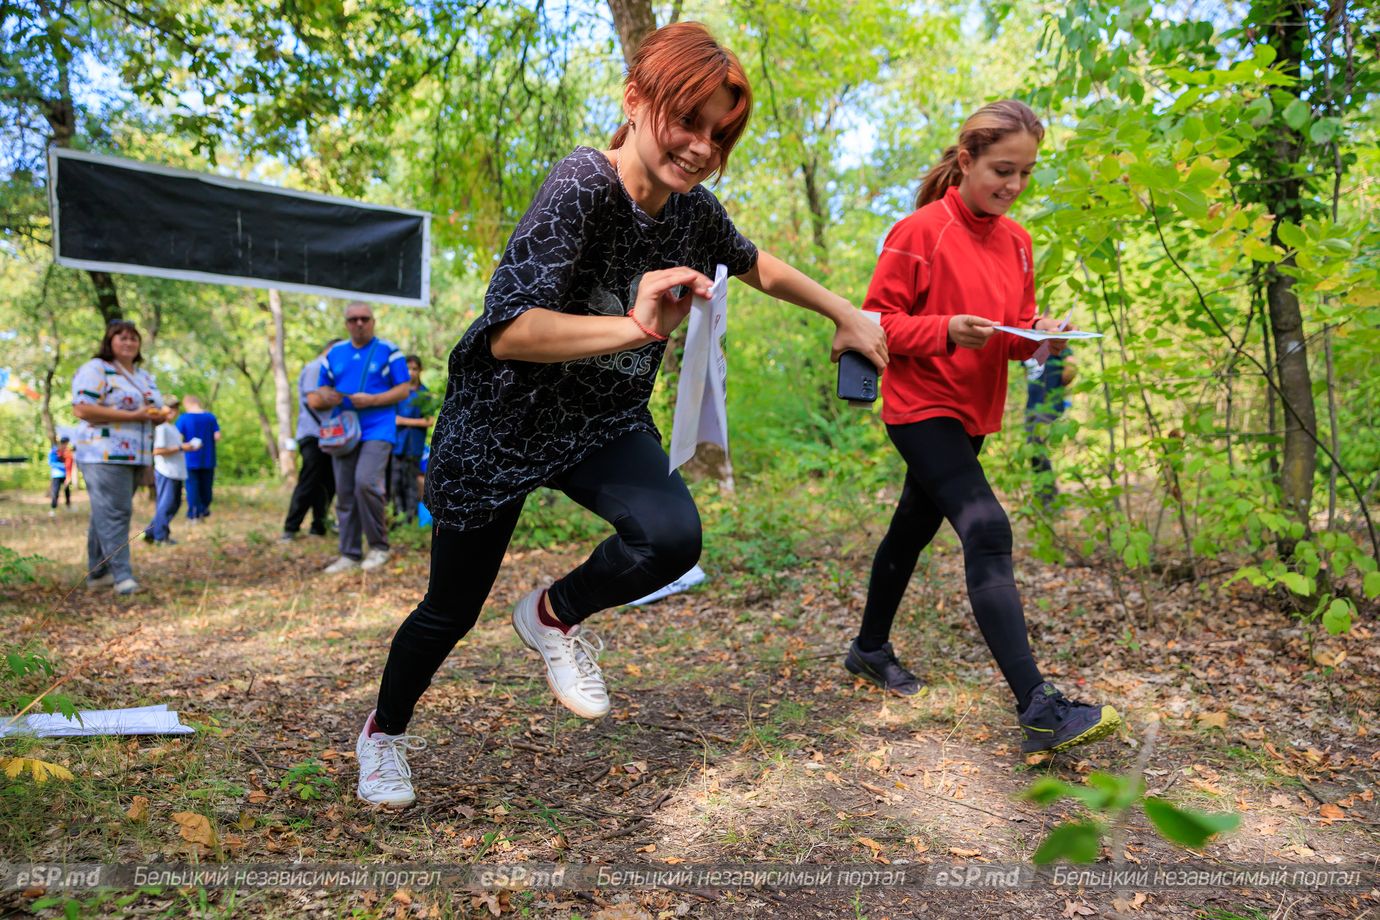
(343, 564)
(128, 586)
(572, 669)
(375, 559)
(100, 581)
(384, 776)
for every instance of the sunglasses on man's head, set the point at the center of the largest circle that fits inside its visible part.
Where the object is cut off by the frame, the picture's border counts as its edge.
(359, 319)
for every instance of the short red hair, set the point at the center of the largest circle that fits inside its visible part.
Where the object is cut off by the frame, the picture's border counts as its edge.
(676, 70)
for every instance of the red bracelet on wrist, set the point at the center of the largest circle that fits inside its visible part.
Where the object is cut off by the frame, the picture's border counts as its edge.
(645, 331)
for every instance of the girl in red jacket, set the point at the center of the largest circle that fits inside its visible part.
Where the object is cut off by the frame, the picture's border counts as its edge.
(948, 274)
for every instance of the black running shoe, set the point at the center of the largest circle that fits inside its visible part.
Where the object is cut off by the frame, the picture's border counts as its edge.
(882, 668)
(1052, 722)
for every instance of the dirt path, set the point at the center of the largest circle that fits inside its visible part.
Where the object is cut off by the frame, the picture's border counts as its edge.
(735, 735)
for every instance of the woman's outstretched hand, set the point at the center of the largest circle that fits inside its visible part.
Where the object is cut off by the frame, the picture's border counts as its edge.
(856, 332)
(657, 307)
(968, 331)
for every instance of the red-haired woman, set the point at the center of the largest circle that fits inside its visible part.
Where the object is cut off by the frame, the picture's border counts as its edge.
(550, 385)
(948, 274)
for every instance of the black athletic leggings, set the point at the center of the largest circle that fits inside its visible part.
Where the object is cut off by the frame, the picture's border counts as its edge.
(656, 540)
(944, 480)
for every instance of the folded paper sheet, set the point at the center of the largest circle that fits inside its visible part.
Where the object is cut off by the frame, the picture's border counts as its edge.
(701, 414)
(1036, 335)
(141, 720)
(683, 583)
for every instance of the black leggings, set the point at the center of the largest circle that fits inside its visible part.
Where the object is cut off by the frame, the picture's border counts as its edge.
(657, 540)
(945, 480)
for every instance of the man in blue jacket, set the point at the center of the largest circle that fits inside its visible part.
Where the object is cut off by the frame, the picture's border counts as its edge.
(368, 375)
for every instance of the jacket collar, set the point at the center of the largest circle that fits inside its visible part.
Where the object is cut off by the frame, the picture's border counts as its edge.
(980, 226)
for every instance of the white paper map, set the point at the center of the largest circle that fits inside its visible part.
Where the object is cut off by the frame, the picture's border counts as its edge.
(683, 583)
(701, 413)
(141, 720)
(1036, 335)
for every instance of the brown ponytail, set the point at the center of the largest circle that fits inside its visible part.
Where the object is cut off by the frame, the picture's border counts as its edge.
(983, 128)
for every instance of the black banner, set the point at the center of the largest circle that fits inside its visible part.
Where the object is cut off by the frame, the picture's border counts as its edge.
(118, 215)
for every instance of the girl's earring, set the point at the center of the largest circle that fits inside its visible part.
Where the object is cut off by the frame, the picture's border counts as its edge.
(632, 125)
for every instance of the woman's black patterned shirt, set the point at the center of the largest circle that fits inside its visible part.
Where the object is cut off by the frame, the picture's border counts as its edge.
(508, 427)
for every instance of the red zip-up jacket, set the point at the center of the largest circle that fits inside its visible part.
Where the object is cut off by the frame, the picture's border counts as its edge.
(940, 261)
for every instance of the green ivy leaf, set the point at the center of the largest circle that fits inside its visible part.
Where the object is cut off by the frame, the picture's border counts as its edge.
(1119, 791)
(1291, 235)
(1298, 583)
(1260, 251)
(1336, 618)
(1185, 826)
(1296, 114)
(1324, 130)
(1371, 585)
(1078, 841)
(1046, 790)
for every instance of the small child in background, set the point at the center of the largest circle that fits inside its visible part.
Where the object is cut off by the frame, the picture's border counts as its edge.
(170, 474)
(57, 476)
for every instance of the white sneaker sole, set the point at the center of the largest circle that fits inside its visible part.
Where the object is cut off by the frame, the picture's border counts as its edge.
(397, 805)
(574, 706)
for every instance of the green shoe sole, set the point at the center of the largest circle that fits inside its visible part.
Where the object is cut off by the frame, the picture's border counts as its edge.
(1105, 726)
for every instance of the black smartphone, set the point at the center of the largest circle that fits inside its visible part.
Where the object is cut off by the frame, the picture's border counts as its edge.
(857, 379)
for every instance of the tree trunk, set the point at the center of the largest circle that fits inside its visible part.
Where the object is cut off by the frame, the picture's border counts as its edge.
(61, 116)
(45, 405)
(282, 389)
(1288, 34)
(265, 426)
(634, 19)
(256, 386)
(819, 214)
(48, 318)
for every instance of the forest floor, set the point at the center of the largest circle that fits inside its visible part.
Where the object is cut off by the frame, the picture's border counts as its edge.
(736, 737)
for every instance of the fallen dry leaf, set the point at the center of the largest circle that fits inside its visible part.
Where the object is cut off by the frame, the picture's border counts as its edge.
(1212, 720)
(1331, 812)
(621, 912)
(488, 899)
(138, 809)
(195, 828)
(1077, 909)
(1129, 904)
(871, 844)
(960, 851)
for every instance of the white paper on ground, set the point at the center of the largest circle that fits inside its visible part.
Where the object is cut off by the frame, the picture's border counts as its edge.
(701, 413)
(1036, 335)
(683, 583)
(139, 720)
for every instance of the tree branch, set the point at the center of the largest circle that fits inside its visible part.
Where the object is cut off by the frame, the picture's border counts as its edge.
(1284, 400)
